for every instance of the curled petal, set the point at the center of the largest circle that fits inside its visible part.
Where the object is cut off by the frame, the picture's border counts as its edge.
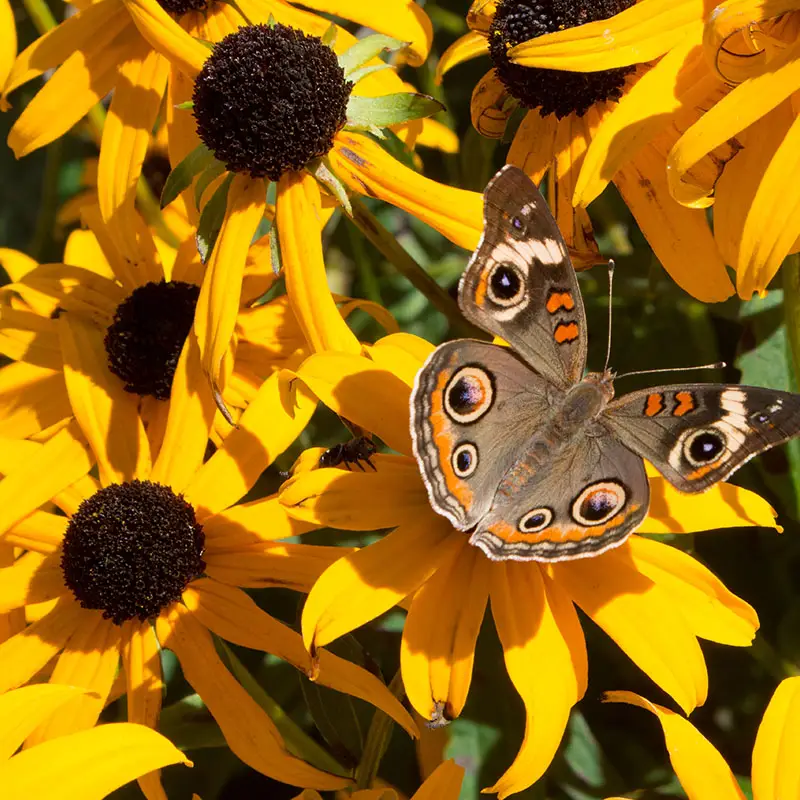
(641, 33)
(700, 768)
(471, 45)
(776, 773)
(490, 107)
(370, 581)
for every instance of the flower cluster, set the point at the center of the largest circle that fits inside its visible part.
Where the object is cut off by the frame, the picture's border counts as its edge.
(233, 497)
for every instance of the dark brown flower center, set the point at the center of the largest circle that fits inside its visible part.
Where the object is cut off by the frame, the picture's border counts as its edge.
(144, 342)
(269, 100)
(552, 91)
(180, 7)
(131, 549)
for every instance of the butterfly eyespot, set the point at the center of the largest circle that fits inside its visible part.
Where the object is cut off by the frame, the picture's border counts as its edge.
(465, 459)
(506, 286)
(704, 446)
(536, 520)
(469, 394)
(517, 224)
(598, 502)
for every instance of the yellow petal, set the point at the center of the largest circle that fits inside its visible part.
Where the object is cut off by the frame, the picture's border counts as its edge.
(680, 80)
(270, 424)
(82, 81)
(32, 579)
(641, 618)
(298, 221)
(438, 644)
(533, 148)
(437, 135)
(8, 46)
(31, 399)
(88, 765)
(23, 709)
(401, 19)
(643, 32)
(92, 28)
(24, 654)
(361, 586)
(248, 524)
(250, 733)
(40, 532)
(57, 464)
(680, 237)
(356, 389)
(25, 336)
(191, 412)
(773, 222)
(443, 784)
(89, 660)
(233, 615)
(722, 506)
(545, 657)
(711, 610)
(393, 353)
(368, 169)
(700, 768)
(126, 134)
(166, 36)
(732, 114)
(143, 687)
(218, 304)
(470, 45)
(358, 501)
(776, 772)
(288, 566)
(16, 263)
(108, 415)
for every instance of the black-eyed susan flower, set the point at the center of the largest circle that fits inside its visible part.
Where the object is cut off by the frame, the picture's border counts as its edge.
(157, 553)
(90, 763)
(444, 783)
(702, 770)
(571, 65)
(135, 320)
(272, 103)
(652, 599)
(755, 49)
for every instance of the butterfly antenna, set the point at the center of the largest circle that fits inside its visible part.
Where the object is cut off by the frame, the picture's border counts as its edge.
(716, 365)
(611, 266)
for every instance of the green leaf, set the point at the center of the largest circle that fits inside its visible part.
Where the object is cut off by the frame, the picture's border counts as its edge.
(390, 109)
(358, 74)
(181, 177)
(367, 48)
(322, 172)
(210, 174)
(186, 106)
(582, 753)
(275, 250)
(211, 220)
(189, 724)
(329, 37)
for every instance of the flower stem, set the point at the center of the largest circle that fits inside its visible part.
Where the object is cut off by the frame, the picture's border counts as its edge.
(40, 14)
(791, 309)
(380, 731)
(369, 225)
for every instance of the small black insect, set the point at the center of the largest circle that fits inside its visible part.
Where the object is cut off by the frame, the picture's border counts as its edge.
(353, 452)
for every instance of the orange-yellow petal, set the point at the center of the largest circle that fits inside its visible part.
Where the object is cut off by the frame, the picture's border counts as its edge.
(89, 764)
(218, 304)
(126, 135)
(470, 45)
(353, 500)
(166, 36)
(490, 106)
(641, 33)
(545, 657)
(641, 618)
(33, 578)
(438, 645)
(776, 772)
(298, 221)
(108, 415)
(361, 586)
(368, 169)
(358, 390)
(250, 733)
(700, 768)
(8, 47)
(31, 399)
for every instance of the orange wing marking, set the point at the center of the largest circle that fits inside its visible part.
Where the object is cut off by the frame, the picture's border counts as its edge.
(685, 404)
(566, 332)
(654, 404)
(559, 300)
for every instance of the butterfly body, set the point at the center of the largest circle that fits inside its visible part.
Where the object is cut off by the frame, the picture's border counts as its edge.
(533, 459)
